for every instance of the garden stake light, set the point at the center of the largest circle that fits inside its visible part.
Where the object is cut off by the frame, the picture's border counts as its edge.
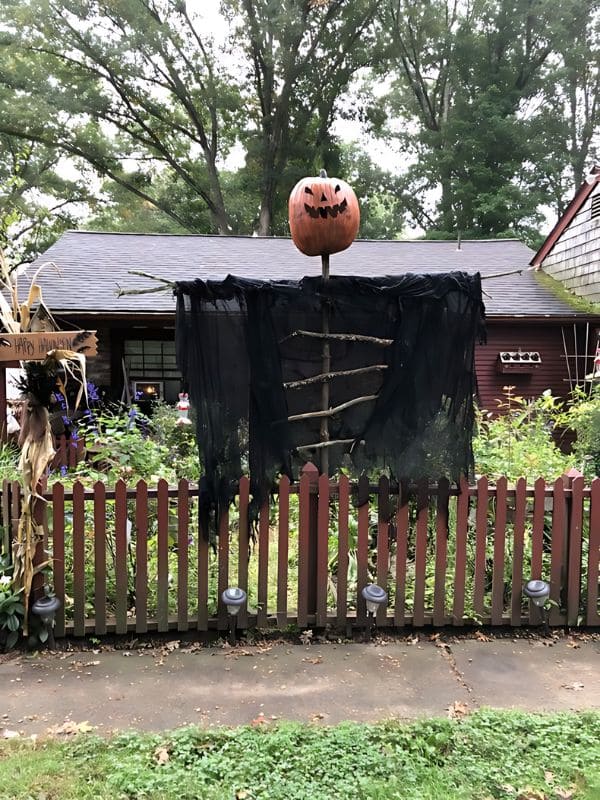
(234, 598)
(374, 596)
(45, 608)
(538, 592)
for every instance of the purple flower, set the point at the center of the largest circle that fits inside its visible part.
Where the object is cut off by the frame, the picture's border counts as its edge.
(92, 392)
(63, 470)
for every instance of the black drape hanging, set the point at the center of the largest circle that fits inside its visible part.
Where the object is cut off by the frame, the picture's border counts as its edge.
(244, 350)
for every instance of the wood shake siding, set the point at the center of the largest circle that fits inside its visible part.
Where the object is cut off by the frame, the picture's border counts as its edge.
(545, 339)
(575, 258)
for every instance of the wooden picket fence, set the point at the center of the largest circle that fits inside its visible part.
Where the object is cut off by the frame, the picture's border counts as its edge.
(131, 559)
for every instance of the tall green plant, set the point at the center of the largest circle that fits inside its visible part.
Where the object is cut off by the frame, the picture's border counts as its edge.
(583, 417)
(519, 442)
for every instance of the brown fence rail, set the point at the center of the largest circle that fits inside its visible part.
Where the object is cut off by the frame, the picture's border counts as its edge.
(132, 559)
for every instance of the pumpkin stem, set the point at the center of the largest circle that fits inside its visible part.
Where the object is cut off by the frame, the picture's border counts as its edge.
(323, 173)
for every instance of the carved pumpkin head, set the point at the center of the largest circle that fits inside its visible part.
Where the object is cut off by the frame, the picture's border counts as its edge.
(324, 215)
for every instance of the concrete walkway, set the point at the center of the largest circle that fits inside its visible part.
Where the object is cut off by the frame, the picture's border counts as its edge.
(179, 684)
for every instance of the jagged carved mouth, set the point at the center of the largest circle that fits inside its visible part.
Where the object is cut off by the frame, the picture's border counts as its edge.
(326, 211)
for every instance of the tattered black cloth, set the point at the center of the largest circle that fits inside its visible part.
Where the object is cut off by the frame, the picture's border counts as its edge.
(402, 347)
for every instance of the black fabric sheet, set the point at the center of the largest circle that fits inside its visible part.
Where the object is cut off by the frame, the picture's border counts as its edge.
(236, 349)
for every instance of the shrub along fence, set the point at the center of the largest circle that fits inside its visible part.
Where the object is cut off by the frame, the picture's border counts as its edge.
(132, 559)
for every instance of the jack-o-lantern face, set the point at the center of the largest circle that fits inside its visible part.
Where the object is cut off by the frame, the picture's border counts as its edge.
(324, 215)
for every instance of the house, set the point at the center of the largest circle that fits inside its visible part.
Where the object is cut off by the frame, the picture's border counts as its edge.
(571, 251)
(532, 333)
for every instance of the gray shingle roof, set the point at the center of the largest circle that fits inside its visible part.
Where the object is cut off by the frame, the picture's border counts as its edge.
(94, 264)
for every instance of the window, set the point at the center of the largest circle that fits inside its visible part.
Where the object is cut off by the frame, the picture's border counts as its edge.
(152, 361)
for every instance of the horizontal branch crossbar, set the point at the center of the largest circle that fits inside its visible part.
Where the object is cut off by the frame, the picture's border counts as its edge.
(326, 376)
(330, 412)
(330, 443)
(341, 337)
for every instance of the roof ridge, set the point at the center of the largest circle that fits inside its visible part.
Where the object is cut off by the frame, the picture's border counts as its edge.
(285, 238)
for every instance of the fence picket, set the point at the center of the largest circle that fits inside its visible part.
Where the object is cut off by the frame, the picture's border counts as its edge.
(121, 557)
(263, 565)
(202, 576)
(100, 557)
(322, 550)
(58, 554)
(243, 546)
(499, 549)
(402, 526)
(593, 573)
(441, 552)
(421, 552)
(537, 535)
(557, 565)
(141, 557)
(222, 570)
(481, 527)
(303, 532)
(518, 547)
(574, 552)
(283, 532)
(362, 551)
(383, 542)
(78, 559)
(5, 544)
(342, 554)
(183, 532)
(460, 568)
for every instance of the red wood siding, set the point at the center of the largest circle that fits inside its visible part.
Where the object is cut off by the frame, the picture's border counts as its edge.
(545, 338)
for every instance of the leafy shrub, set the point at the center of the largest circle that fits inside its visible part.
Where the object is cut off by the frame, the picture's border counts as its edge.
(583, 417)
(520, 442)
(12, 609)
(9, 459)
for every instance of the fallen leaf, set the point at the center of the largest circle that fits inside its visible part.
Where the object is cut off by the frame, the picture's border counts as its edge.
(457, 710)
(482, 637)
(260, 720)
(241, 794)
(316, 717)
(576, 686)
(548, 776)
(161, 756)
(70, 728)
(306, 637)
(572, 644)
(565, 794)
(532, 794)
(317, 660)
(6, 734)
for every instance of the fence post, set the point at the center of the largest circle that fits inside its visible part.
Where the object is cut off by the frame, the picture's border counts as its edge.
(312, 472)
(571, 572)
(571, 537)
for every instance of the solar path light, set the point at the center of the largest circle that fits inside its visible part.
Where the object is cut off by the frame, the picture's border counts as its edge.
(374, 596)
(234, 598)
(538, 592)
(45, 608)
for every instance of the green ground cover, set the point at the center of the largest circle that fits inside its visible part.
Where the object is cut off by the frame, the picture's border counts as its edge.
(488, 755)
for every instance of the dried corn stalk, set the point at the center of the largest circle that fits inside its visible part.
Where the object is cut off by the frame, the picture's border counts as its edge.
(41, 380)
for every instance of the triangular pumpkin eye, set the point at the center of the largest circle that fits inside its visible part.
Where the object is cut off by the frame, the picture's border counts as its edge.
(308, 190)
(337, 188)
(323, 198)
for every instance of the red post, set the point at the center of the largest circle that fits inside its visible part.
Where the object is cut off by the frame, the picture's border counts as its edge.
(3, 421)
(312, 540)
(571, 578)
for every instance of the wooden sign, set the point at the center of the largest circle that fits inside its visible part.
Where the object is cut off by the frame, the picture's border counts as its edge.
(36, 346)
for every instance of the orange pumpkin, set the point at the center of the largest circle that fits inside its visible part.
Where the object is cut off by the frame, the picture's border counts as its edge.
(324, 215)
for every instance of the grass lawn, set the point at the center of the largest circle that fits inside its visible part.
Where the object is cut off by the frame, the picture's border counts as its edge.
(487, 755)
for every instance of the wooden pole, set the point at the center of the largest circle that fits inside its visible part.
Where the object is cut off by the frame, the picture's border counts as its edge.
(3, 405)
(325, 367)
